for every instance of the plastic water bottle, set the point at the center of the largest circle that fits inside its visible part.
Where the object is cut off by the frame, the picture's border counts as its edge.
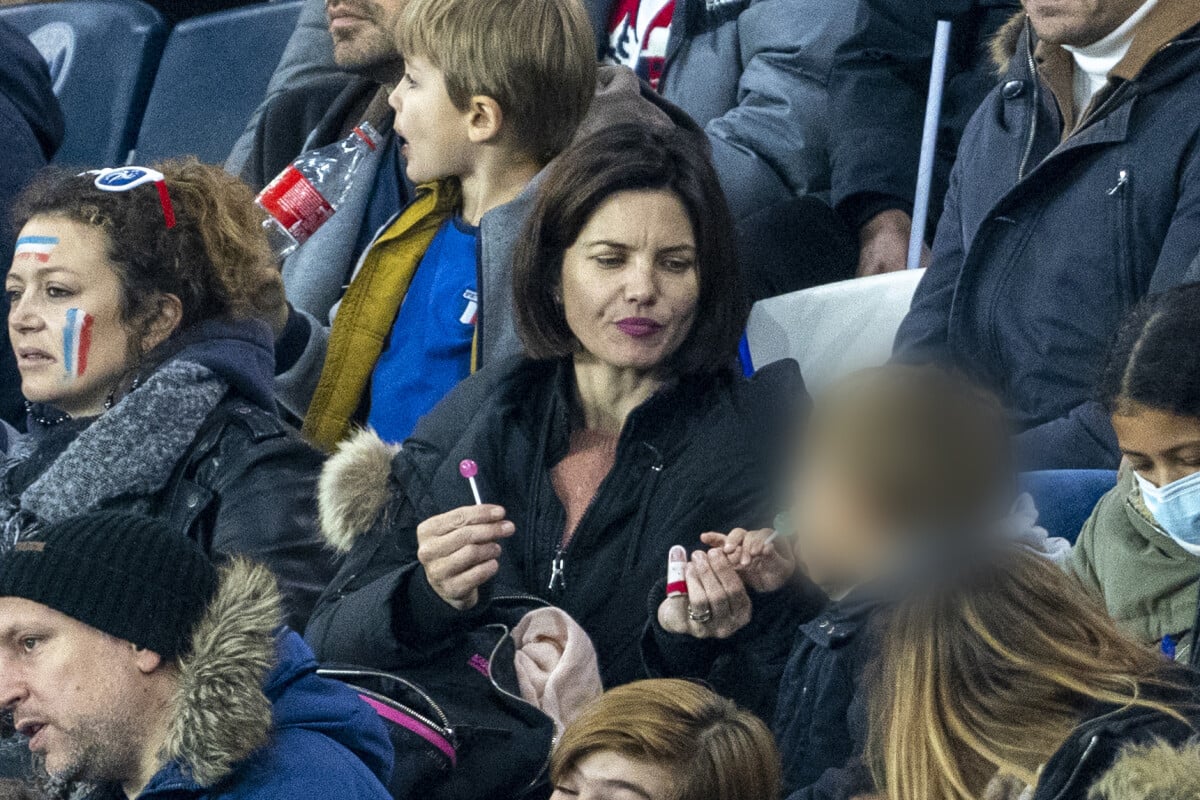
(308, 192)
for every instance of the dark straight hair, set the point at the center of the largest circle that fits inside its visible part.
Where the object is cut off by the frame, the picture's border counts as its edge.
(617, 159)
(1155, 357)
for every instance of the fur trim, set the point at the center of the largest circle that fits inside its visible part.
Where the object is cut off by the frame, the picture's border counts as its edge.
(1004, 44)
(1155, 771)
(220, 714)
(353, 489)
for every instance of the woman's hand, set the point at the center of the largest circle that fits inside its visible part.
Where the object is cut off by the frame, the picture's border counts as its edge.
(716, 605)
(763, 567)
(460, 551)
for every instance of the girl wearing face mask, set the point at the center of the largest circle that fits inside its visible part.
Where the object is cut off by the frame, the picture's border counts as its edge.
(1140, 550)
(138, 313)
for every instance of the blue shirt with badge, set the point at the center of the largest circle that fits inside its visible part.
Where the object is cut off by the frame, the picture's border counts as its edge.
(429, 349)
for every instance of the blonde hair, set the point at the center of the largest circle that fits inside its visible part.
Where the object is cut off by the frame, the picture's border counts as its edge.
(535, 58)
(713, 749)
(987, 673)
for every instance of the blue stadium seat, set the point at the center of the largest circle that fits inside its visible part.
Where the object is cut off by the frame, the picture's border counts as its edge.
(214, 73)
(1065, 498)
(102, 55)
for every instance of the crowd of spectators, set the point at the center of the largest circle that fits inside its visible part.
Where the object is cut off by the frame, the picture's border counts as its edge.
(467, 496)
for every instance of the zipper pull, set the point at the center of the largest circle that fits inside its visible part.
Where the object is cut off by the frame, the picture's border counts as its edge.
(557, 566)
(1122, 179)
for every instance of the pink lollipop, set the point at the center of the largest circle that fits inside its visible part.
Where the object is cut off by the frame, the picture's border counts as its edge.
(469, 469)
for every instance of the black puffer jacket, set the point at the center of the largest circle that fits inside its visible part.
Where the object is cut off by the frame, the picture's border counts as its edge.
(223, 470)
(1097, 744)
(697, 457)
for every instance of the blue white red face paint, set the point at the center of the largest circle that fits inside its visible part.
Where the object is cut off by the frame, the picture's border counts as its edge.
(77, 342)
(35, 248)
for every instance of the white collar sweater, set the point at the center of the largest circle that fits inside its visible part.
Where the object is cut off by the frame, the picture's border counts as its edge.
(1095, 61)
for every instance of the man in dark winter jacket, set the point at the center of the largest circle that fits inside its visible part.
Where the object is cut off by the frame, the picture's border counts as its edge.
(877, 90)
(31, 129)
(182, 685)
(1076, 192)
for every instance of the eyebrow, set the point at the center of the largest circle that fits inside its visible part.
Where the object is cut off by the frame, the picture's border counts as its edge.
(1172, 451)
(48, 270)
(624, 246)
(627, 786)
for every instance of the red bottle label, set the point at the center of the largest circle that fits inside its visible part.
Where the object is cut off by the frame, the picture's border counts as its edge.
(296, 204)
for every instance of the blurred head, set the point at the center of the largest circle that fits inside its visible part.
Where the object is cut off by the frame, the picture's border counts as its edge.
(628, 258)
(1001, 658)
(363, 37)
(515, 74)
(665, 740)
(894, 459)
(98, 280)
(1151, 386)
(1078, 22)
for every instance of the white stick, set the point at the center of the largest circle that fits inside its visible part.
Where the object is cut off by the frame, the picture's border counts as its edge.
(475, 491)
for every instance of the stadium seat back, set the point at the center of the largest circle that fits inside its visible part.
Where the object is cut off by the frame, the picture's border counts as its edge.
(1065, 497)
(832, 330)
(102, 55)
(214, 73)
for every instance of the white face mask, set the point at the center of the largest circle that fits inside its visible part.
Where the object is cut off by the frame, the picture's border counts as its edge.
(1176, 508)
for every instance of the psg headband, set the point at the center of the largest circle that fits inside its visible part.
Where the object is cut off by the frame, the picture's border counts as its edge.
(123, 179)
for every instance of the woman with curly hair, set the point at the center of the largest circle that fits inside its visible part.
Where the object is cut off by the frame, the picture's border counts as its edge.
(138, 316)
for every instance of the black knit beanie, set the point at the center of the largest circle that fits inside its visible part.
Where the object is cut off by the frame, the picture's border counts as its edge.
(129, 576)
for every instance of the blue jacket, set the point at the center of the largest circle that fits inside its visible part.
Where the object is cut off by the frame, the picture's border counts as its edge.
(325, 743)
(1047, 241)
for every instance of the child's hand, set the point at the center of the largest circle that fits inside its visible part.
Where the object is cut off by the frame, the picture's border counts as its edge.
(716, 605)
(764, 567)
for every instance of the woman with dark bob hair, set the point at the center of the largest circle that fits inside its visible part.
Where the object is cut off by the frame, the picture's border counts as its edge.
(626, 432)
(138, 312)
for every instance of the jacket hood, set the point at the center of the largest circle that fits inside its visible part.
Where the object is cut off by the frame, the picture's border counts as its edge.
(353, 488)
(220, 714)
(1156, 771)
(1098, 745)
(1006, 42)
(1172, 24)
(301, 700)
(241, 352)
(623, 97)
(25, 84)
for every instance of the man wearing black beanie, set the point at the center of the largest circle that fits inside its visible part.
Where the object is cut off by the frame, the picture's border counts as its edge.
(135, 670)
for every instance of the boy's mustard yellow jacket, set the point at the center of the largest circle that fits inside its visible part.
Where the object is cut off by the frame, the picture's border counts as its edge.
(368, 310)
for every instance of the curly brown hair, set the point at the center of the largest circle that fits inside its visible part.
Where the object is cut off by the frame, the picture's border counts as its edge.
(216, 259)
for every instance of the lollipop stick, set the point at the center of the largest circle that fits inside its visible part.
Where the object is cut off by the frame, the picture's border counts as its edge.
(475, 491)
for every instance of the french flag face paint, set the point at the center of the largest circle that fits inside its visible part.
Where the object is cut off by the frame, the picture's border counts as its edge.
(35, 248)
(77, 342)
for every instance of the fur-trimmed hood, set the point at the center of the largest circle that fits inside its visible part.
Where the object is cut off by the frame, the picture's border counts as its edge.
(251, 720)
(220, 714)
(1155, 771)
(1006, 41)
(354, 488)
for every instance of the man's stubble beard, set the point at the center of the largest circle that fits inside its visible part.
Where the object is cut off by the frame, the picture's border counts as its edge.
(103, 750)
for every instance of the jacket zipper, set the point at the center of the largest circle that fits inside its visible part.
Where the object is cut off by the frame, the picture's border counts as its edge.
(495, 684)
(1078, 768)
(442, 725)
(558, 567)
(1035, 104)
